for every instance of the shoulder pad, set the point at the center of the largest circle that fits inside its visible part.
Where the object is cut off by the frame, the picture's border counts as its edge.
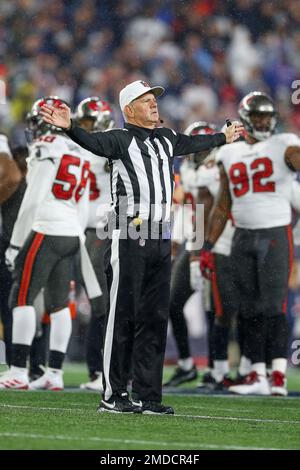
(288, 138)
(49, 146)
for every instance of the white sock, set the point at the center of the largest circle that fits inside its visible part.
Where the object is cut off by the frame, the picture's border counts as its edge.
(221, 368)
(245, 366)
(186, 364)
(60, 330)
(24, 325)
(279, 364)
(260, 368)
(18, 370)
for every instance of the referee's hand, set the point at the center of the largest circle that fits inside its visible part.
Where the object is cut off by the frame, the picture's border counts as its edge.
(233, 132)
(57, 116)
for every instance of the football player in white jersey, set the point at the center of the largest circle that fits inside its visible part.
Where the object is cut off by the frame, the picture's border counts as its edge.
(46, 237)
(186, 276)
(222, 285)
(256, 184)
(94, 114)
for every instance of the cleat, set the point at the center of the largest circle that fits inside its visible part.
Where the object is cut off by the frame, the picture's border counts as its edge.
(208, 381)
(16, 378)
(253, 384)
(278, 384)
(50, 380)
(119, 402)
(181, 376)
(229, 381)
(152, 408)
(224, 385)
(239, 379)
(95, 384)
(213, 386)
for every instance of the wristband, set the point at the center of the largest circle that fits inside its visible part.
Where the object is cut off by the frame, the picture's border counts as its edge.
(207, 246)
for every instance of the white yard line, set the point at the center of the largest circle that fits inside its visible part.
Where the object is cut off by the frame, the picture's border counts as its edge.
(231, 418)
(229, 396)
(42, 408)
(193, 445)
(195, 407)
(224, 418)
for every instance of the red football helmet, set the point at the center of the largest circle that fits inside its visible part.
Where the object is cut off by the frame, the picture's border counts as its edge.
(36, 126)
(200, 128)
(97, 109)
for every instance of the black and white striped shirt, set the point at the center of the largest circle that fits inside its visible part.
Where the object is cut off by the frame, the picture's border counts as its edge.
(141, 162)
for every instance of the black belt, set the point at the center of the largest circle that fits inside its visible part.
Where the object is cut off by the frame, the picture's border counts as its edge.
(140, 228)
(150, 226)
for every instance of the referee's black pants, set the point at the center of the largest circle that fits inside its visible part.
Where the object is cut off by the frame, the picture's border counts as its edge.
(138, 275)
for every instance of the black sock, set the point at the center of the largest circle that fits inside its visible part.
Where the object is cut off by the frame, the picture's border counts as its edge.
(241, 334)
(180, 331)
(39, 350)
(94, 346)
(210, 318)
(56, 359)
(220, 339)
(255, 338)
(277, 337)
(20, 353)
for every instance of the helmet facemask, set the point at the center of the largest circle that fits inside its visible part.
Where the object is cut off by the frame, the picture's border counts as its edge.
(258, 115)
(36, 126)
(263, 131)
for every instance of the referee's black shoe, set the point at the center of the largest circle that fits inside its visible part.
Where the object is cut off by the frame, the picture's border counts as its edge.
(152, 408)
(182, 376)
(119, 402)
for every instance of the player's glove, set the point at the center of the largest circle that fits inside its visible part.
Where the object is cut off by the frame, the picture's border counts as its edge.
(195, 275)
(207, 260)
(10, 257)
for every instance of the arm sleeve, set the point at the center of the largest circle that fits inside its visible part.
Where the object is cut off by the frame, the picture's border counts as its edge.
(104, 144)
(33, 197)
(185, 144)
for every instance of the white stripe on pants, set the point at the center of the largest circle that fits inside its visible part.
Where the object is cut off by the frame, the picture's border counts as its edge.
(114, 262)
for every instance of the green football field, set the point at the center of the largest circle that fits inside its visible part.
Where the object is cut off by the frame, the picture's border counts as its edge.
(68, 420)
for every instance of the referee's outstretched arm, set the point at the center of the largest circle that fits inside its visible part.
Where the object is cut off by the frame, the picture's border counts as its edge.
(99, 143)
(108, 144)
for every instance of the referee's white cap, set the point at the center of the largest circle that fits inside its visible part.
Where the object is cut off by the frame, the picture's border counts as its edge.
(135, 89)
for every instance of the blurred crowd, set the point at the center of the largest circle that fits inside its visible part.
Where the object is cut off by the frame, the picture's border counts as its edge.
(207, 53)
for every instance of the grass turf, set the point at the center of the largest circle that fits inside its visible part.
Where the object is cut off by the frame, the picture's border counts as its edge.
(68, 420)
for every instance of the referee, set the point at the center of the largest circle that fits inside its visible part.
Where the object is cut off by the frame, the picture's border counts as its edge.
(138, 267)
